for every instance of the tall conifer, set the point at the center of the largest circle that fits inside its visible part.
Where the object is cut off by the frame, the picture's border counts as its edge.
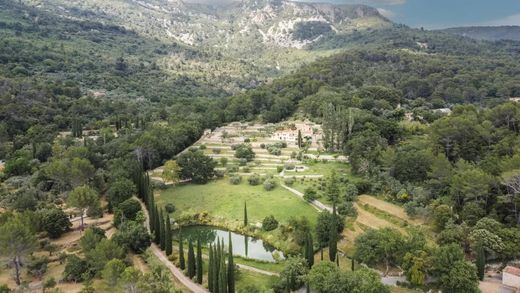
(231, 267)
(199, 262)
(191, 260)
(169, 236)
(182, 263)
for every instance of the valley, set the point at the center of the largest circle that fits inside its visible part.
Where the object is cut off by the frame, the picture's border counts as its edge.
(258, 146)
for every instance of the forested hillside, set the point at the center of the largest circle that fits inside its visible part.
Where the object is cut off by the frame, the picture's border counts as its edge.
(490, 33)
(94, 117)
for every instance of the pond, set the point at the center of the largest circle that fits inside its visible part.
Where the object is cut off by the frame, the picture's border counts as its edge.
(244, 246)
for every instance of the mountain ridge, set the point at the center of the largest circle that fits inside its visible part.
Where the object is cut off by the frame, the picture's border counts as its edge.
(488, 33)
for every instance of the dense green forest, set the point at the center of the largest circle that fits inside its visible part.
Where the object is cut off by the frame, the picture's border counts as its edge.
(377, 102)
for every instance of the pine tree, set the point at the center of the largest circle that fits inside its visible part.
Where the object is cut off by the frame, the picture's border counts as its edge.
(231, 267)
(210, 268)
(245, 214)
(169, 239)
(481, 261)
(191, 260)
(182, 263)
(199, 262)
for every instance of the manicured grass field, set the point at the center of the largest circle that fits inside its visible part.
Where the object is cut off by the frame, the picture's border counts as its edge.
(325, 169)
(250, 279)
(224, 200)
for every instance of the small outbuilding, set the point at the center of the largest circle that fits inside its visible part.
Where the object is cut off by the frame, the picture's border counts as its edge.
(511, 277)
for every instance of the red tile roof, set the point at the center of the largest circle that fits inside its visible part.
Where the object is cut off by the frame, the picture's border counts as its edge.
(512, 270)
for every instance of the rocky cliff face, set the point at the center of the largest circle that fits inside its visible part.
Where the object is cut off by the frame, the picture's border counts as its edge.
(271, 22)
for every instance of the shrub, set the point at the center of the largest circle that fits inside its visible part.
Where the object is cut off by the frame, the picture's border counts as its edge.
(262, 145)
(347, 209)
(76, 269)
(253, 179)
(219, 173)
(158, 184)
(289, 181)
(279, 169)
(216, 151)
(363, 186)
(245, 169)
(351, 192)
(202, 147)
(269, 184)
(37, 266)
(244, 151)
(310, 194)
(235, 180)
(55, 222)
(232, 169)
(274, 150)
(242, 162)
(247, 140)
(269, 223)
(169, 207)
(223, 161)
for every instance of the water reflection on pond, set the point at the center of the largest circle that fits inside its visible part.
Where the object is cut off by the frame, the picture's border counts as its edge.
(244, 246)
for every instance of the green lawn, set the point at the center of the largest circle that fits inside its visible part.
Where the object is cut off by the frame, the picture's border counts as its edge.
(224, 200)
(321, 168)
(250, 279)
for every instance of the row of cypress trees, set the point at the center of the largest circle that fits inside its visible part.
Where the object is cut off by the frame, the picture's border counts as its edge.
(195, 267)
(221, 275)
(77, 128)
(159, 220)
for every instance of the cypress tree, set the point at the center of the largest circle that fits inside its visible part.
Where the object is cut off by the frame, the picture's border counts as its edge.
(157, 226)
(321, 253)
(191, 260)
(222, 280)
(151, 216)
(352, 264)
(231, 267)
(245, 214)
(199, 262)
(210, 268)
(181, 251)
(216, 267)
(337, 259)
(481, 261)
(162, 226)
(333, 243)
(300, 139)
(309, 253)
(168, 235)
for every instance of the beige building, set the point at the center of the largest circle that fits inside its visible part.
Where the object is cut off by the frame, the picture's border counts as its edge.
(290, 135)
(511, 277)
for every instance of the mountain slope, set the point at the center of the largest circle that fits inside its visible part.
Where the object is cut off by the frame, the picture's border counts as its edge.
(489, 33)
(246, 43)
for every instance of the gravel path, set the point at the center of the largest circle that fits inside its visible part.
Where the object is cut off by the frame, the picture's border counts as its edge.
(315, 203)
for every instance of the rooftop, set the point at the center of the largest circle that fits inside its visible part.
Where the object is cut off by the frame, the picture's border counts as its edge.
(512, 270)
